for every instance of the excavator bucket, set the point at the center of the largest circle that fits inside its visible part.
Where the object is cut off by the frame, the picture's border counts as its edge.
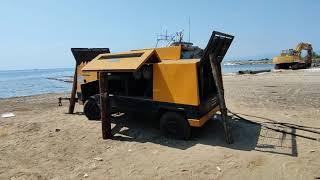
(87, 54)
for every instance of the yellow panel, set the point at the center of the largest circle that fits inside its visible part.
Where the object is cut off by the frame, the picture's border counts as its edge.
(200, 122)
(285, 59)
(84, 76)
(169, 53)
(176, 82)
(120, 62)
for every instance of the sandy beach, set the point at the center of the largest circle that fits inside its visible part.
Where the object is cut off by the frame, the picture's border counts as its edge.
(43, 142)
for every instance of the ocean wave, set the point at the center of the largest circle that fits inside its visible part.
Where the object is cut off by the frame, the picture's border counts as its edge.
(229, 64)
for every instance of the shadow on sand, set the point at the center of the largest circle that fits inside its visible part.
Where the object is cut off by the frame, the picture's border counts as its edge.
(247, 136)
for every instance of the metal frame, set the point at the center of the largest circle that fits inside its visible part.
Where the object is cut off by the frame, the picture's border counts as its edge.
(215, 51)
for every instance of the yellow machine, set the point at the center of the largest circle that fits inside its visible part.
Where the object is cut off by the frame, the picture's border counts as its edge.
(291, 58)
(173, 84)
(85, 55)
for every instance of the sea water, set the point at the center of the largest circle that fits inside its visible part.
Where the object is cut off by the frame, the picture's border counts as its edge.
(233, 68)
(14, 83)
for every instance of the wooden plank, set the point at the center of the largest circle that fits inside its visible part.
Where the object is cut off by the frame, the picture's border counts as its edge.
(73, 92)
(105, 106)
(217, 76)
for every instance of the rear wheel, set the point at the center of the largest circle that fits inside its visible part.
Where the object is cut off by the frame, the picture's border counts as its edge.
(175, 125)
(91, 109)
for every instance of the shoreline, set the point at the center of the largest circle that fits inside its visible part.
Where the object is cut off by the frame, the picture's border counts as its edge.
(224, 74)
(33, 95)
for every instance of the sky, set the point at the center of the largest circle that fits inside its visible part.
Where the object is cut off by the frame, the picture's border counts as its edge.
(39, 34)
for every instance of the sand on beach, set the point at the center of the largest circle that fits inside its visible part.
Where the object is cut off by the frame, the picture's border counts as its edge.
(43, 142)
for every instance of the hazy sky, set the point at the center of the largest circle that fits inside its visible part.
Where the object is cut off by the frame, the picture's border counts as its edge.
(39, 34)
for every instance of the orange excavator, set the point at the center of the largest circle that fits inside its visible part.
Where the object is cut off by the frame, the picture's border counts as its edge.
(292, 59)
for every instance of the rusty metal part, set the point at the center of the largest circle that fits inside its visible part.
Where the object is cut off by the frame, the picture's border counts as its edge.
(105, 106)
(216, 71)
(73, 92)
(215, 51)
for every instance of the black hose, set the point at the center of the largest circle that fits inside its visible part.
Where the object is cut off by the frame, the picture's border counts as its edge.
(294, 126)
(278, 130)
(276, 122)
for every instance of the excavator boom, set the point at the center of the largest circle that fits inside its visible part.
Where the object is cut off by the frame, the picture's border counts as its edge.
(303, 46)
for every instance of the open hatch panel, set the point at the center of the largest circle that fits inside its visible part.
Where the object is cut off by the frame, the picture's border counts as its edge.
(87, 54)
(218, 45)
(122, 62)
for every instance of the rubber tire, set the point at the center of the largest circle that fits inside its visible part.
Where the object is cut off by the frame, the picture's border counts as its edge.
(91, 109)
(175, 125)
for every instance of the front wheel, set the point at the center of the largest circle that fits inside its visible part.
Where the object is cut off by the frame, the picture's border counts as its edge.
(91, 109)
(175, 125)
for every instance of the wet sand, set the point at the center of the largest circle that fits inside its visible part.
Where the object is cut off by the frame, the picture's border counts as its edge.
(43, 142)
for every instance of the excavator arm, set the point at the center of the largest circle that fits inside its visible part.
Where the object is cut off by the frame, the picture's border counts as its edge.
(305, 46)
